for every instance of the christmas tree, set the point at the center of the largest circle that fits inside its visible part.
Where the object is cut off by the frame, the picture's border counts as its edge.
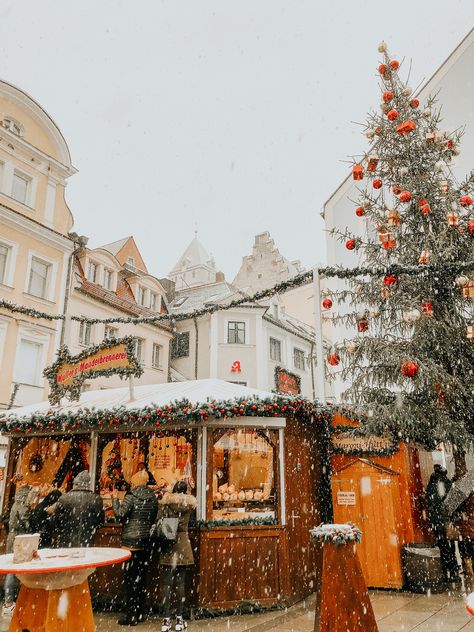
(411, 364)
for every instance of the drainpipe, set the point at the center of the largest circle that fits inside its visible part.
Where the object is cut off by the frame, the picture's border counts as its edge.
(311, 360)
(196, 348)
(79, 243)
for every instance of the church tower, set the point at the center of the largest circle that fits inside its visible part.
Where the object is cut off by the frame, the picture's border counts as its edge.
(195, 267)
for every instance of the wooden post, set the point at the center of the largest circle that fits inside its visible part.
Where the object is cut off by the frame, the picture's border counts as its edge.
(342, 598)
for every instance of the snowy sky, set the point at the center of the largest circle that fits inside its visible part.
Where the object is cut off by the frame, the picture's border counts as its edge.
(232, 114)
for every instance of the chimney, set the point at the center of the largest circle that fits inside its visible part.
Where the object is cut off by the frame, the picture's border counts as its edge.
(220, 277)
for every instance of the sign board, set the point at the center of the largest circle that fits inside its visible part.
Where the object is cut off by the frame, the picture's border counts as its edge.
(348, 443)
(346, 498)
(68, 373)
(287, 382)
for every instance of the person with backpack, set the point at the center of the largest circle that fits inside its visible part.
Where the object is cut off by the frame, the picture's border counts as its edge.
(176, 559)
(137, 513)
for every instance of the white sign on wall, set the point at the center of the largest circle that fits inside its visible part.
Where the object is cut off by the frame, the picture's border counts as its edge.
(346, 498)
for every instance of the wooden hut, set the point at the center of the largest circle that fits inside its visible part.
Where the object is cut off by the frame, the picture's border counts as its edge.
(253, 459)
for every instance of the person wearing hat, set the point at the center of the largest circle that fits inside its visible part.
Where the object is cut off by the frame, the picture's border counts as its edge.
(78, 515)
(137, 513)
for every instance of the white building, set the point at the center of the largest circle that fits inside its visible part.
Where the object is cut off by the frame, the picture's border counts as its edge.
(453, 81)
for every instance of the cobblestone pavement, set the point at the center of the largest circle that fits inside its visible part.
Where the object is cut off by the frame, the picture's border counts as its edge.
(395, 612)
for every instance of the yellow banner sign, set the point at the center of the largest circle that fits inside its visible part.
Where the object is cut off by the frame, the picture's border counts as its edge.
(114, 357)
(348, 444)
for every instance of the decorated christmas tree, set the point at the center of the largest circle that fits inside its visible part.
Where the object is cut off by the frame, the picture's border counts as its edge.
(411, 361)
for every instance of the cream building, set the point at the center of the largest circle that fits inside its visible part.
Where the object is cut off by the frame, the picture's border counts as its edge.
(35, 249)
(113, 281)
(243, 344)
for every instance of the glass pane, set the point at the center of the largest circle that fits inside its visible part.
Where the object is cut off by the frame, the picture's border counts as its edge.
(38, 278)
(3, 262)
(243, 476)
(28, 362)
(19, 188)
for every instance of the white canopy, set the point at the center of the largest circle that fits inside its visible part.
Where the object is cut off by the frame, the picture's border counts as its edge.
(196, 391)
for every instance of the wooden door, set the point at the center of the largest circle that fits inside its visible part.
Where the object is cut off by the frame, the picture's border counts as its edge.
(369, 496)
(302, 476)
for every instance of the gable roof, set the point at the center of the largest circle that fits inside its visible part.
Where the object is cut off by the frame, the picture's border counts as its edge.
(116, 246)
(194, 255)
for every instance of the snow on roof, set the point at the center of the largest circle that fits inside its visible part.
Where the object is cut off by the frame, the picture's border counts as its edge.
(196, 391)
(116, 246)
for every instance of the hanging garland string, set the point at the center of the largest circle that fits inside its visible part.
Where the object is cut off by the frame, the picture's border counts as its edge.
(450, 269)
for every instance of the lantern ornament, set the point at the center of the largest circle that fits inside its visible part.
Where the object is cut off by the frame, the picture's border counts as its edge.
(470, 332)
(362, 323)
(424, 257)
(425, 209)
(443, 186)
(327, 303)
(372, 162)
(432, 137)
(393, 218)
(453, 218)
(406, 127)
(409, 368)
(466, 200)
(468, 289)
(333, 359)
(387, 240)
(357, 172)
(427, 309)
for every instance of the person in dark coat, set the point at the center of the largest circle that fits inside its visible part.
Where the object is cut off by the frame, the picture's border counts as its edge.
(436, 492)
(137, 513)
(40, 518)
(78, 515)
(179, 557)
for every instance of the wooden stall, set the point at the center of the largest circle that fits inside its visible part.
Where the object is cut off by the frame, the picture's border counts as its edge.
(253, 459)
(376, 484)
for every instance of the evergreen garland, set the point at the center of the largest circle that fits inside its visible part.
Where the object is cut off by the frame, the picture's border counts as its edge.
(244, 522)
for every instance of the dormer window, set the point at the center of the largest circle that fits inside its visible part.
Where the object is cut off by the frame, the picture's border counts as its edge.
(108, 278)
(92, 272)
(141, 295)
(131, 261)
(12, 126)
(154, 301)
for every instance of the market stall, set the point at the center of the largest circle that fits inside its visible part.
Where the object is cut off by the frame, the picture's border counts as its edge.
(253, 459)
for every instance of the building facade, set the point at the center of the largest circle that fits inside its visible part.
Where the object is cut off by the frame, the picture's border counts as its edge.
(35, 247)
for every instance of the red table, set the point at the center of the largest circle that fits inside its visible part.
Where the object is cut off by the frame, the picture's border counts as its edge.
(54, 594)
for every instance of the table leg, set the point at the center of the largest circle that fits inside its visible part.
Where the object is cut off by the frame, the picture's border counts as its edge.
(68, 610)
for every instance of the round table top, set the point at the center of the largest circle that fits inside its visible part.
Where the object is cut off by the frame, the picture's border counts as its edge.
(57, 560)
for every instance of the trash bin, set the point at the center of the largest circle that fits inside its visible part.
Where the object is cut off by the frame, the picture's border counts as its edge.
(422, 567)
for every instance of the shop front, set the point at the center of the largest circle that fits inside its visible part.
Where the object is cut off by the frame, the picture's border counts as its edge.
(254, 460)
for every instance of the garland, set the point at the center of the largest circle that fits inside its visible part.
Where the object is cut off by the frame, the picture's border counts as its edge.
(279, 288)
(279, 370)
(244, 522)
(337, 533)
(73, 388)
(152, 416)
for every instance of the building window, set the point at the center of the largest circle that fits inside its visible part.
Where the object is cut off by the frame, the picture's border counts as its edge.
(20, 188)
(39, 278)
(85, 333)
(92, 272)
(4, 254)
(235, 333)
(139, 349)
(28, 362)
(141, 295)
(298, 359)
(110, 332)
(156, 359)
(180, 345)
(275, 349)
(131, 261)
(108, 278)
(154, 301)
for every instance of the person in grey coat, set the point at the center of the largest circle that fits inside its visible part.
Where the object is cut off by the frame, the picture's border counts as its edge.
(137, 513)
(78, 515)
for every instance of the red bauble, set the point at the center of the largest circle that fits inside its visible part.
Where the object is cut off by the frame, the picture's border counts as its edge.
(392, 115)
(350, 244)
(360, 211)
(382, 69)
(396, 189)
(333, 359)
(377, 184)
(414, 103)
(390, 279)
(409, 368)
(470, 226)
(387, 96)
(405, 196)
(327, 303)
(466, 200)
(422, 202)
(394, 64)
(425, 209)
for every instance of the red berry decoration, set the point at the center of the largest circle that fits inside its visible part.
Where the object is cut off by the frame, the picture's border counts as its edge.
(392, 115)
(466, 200)
(387, 96)
(377, 184)
(405, 196)
(327, 303)
(390, 279)
(350, 244)
(394, 64)
(409, 368)
(382, 69)
(333, 359)
(360, 211)
(414, 103)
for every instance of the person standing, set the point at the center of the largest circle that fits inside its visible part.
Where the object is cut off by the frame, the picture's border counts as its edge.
(40, 518)
(78, 515)
(176, 560)
(137, 513)
(436, 492)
